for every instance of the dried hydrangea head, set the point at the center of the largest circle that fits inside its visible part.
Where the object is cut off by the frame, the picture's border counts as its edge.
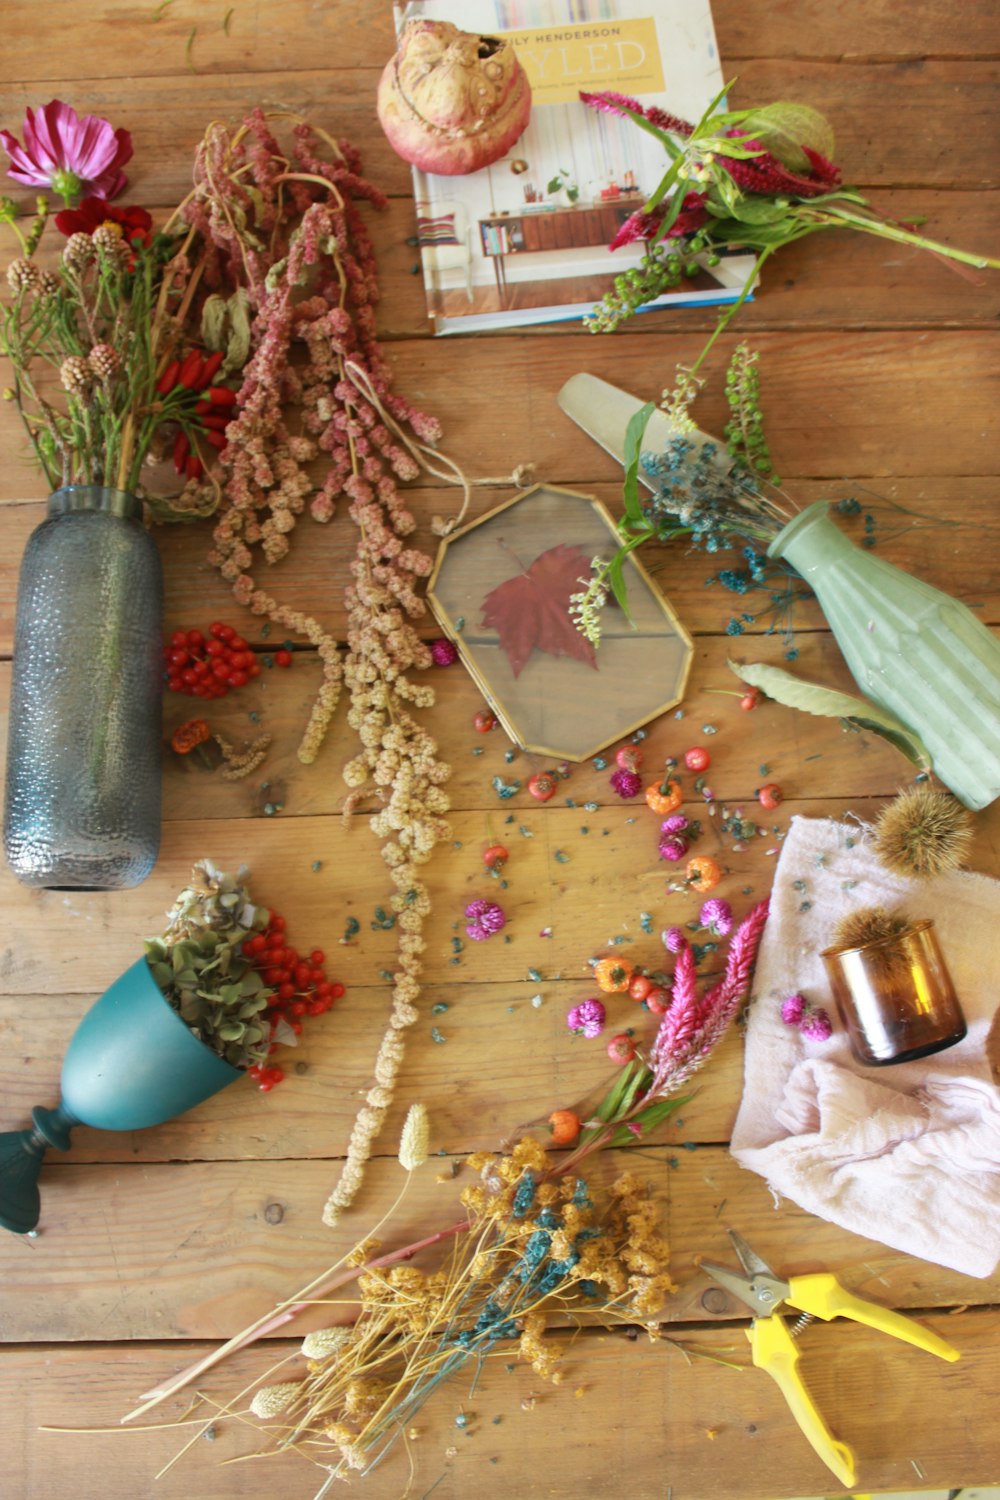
(923, 832)
(869, 924)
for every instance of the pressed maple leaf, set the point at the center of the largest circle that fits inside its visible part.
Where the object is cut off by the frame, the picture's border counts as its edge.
(531, 612)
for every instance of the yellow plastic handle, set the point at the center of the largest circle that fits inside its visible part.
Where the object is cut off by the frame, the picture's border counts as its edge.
(774, 1351)
(824, 1297)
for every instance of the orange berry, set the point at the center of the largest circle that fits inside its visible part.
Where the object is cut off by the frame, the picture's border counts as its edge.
(664, 796)
(702, 873)
(565, 1127)
(613, 975)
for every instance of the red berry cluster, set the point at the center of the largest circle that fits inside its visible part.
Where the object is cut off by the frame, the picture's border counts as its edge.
(298, 984)
(210, 668)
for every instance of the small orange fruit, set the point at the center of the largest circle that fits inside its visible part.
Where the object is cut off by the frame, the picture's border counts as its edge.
(565, 1127)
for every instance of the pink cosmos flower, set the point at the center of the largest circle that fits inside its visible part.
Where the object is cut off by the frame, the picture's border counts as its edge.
(70, 153)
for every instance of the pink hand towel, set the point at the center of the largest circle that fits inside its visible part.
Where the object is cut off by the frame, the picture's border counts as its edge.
(907, 1154)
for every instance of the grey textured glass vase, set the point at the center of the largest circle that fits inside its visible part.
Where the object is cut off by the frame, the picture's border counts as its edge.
(83, 746)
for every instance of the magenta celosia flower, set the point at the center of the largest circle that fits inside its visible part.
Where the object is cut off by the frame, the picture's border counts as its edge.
(587, 1017)
(73, 154)
(485, 918)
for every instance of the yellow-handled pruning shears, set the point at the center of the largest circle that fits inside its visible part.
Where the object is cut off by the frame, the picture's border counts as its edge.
(773, 1345)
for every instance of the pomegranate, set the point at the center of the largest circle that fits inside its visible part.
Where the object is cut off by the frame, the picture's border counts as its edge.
(451, 101)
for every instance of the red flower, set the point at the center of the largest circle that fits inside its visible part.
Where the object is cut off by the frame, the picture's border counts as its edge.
(134, 222)
(766, 174)
(642, 226)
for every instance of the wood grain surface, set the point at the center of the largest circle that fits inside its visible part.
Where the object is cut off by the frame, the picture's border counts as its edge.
(879, 371)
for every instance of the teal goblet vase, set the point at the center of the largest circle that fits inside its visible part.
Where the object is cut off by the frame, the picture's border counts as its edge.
(911, 648)
(131, 1063)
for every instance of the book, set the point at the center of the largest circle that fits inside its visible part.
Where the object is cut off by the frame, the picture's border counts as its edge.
(525, 241)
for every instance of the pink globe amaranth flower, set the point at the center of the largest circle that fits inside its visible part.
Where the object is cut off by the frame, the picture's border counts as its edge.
(444, 652)
(793, 1009)
(588, 1017)
(673, 849)
(485, 919)
(673, 825)
(73, 154)
(717, 915)
(817, 1027)
(672, 939)
(626, 783)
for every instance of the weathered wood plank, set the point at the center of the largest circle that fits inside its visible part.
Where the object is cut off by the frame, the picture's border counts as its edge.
(920, 123)
(151, 1251)
(125, 40)
(711, 1433)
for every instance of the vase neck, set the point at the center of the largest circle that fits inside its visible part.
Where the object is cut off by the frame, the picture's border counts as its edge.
(94, 497)
(812, 528)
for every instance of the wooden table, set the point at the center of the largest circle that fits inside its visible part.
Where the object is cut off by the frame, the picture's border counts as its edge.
(879, 373)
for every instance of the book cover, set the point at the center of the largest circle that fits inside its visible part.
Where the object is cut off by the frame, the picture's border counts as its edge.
(526, 240)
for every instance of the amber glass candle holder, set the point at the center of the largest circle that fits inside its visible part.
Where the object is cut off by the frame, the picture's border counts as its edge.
(895, 996)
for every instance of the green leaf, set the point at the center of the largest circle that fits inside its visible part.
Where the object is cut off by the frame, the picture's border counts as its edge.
(633, 451)
(616, 578)
(611, 1103)
(784, 127)
(648, 1119)
(814, 698)
(760, 210)
(232, 1031)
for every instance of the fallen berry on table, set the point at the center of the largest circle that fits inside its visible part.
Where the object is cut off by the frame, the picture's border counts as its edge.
(702, 873)
(282, 658)
(770, 795)
(484, 720)
(613, 975)
(588, 1018)
(621, 1048)
(629, 758)
(658, 1001)
(750, 700)
(697, 759)
(565, 1127)
(639, 987)
(542, 785)
(664, 796)
(495, 857)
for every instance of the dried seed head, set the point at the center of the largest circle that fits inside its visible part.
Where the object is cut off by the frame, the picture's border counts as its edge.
(324, 1342)
(271, 1400)
(79, 251)
(104, 361)
(869, 924)
(48, 283)
(23, 275)
(109, 242)
(414, 1143)
(76, 375)
(923, 832)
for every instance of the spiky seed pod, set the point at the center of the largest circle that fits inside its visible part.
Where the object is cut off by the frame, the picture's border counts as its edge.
(76, 375)
(108, 241)
(104, 361)
(79, 251)
(923, 832)
(271, 1400)
(23, 275)
(869, 924)
(414, 1142)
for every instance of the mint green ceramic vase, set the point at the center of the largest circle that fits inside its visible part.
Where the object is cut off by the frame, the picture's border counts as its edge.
(911, 648)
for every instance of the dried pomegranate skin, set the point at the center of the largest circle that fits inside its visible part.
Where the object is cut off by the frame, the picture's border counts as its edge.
(451, 101)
